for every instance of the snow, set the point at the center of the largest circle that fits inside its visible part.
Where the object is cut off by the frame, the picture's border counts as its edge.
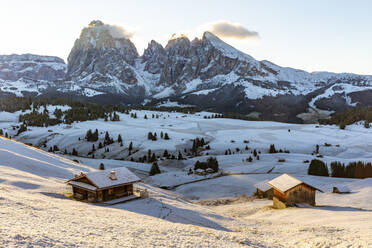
(32, 189)
(226, 49)
(83, 185)
(284, 183)
(102, 178)
(192, 85)
(169, 103)
(263, 186)
(165, 93)
(343, 89)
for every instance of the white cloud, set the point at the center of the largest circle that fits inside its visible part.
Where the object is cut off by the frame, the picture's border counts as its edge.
(227, 29)
(116, 31)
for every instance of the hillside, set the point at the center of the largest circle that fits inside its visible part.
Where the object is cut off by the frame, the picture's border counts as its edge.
(32, 198)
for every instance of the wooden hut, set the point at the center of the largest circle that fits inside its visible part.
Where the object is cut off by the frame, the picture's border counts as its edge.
(289, 190)
(103, 185)
(264, 190)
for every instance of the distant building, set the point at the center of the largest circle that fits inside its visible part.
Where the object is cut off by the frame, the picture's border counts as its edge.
(103, 185)
(289, 190)
(264, 190)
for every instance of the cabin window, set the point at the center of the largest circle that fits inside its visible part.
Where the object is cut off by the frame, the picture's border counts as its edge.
(110, 191)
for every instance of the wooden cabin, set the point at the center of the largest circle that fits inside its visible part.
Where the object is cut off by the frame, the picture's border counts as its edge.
(289, 191)
(264, 190)
(103, 185)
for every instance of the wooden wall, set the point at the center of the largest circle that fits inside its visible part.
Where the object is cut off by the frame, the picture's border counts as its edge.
(300, 194)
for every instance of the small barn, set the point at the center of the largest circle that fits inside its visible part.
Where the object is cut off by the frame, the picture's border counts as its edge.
(103, 185)
(264, 190)
(289, 190)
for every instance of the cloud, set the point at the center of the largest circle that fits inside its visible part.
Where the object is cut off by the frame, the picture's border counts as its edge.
(226, 29)
(116, 31)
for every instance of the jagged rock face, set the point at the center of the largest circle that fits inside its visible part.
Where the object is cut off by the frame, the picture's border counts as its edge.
(101, 55)
(31, 67)
(104, 66)
(182, 61)
(154, 57)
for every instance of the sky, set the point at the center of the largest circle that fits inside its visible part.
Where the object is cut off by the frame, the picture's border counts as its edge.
(317, 35)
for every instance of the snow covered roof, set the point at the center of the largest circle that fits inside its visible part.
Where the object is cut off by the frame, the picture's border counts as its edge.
(263, 185)
(83, 185)
(103, 179)
(286, 182)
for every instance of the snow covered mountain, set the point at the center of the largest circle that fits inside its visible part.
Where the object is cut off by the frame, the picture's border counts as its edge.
(104, 66)
(29, 74)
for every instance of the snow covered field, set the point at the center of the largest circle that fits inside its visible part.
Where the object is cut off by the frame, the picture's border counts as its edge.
(34, 211)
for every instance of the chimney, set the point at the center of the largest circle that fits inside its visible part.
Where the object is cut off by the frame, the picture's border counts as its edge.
(113, 175)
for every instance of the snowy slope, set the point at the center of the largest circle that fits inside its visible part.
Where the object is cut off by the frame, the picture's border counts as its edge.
(35, 161)
(32, 191)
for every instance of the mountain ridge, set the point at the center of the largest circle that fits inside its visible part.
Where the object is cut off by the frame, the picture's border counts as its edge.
(104, 66)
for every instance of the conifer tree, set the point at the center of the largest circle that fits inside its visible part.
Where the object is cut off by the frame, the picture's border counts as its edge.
(180, 155)
(165, 154)
(154, 169)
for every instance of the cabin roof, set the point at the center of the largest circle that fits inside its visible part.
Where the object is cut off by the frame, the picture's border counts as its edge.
(286, 182)
(263, 185)
(101, 179)
(83, 185)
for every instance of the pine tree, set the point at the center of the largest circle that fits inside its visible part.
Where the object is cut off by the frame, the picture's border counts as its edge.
(120, 140)
(161, 134)
(366, 124)
(88, 135)
(101, 166)
(318, 168)
(166, 137)
(153, 158)
(93, 148)
(255, 153)
(116, 117)
(95, 135)
(272, 149)
(130, 148)
(74, 152)
(165, 154)
(180, 155)
(154, 169)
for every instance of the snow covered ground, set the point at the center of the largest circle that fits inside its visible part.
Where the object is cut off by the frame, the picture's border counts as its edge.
(34, 211)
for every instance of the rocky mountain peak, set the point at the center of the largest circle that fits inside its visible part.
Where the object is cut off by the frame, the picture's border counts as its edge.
(95, 23)
(154, 57)
(33, 67)
(102, 53)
